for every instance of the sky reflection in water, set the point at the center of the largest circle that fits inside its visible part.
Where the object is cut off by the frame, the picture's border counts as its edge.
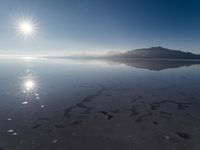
(42, 96)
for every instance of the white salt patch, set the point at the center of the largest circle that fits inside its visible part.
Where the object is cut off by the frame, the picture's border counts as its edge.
(15, 133)
(9, 131)
(55, 141)
(24, 103)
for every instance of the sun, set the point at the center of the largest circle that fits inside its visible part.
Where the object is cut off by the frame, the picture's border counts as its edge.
(26, 28)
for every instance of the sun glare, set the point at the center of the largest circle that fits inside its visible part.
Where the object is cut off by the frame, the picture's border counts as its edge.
(26, 28)
(29, 84)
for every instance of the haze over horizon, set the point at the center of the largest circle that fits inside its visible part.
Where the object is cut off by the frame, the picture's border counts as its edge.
(68, 26)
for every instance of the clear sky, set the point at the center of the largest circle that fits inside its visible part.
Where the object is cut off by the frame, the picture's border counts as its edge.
(99, 25)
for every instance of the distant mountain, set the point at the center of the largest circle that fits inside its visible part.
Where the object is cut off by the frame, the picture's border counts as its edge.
(157, 53)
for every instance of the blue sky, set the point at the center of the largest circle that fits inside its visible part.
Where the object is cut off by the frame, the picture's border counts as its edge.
(101, 25)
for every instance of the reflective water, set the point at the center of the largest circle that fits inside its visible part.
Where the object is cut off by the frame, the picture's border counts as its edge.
(58, 104)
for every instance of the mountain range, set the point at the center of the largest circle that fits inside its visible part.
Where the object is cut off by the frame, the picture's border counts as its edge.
(156, 53)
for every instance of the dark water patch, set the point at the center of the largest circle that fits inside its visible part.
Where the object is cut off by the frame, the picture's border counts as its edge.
(153, 95)
(82, 103)
(193, 97)
(83, 106)
(155, 122)
(180, 105)
(188, 114)
(166, 113)
(80, 116)
(183, 135)
(182, 94)
(61, 125)
(108, 116)
(91, 97)
(67, 111)
(183, 106)
(140, 118)
(44, 118)
(47, 130)
(2, 148)
(37, 126)
(75, 123)
(154, 106)
(135, 99)
(133, 111)
(115, 111)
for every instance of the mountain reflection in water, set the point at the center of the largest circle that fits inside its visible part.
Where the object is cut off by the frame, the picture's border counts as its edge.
(155, 65)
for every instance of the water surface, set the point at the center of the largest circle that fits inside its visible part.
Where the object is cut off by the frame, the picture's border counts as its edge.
(60, 104)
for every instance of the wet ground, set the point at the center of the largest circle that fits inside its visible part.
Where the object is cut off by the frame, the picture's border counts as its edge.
(57, 104)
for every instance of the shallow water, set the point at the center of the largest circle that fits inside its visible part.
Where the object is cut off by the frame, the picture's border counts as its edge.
(59, 104)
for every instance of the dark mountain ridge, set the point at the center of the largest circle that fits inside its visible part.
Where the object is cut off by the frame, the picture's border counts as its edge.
(157, 53)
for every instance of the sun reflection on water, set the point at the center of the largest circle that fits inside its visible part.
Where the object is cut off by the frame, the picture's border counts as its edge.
(31, 90)
(29, 85)
(27, 58)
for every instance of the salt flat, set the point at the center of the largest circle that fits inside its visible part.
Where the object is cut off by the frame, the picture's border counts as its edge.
(48, 104)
